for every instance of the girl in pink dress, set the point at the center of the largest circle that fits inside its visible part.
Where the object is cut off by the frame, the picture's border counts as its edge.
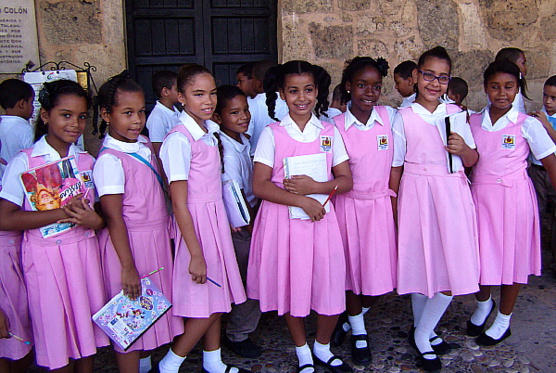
(206, 276)
(137, 239)
(437, 237)
(509, 233)
(365, 213)
(62, 273)
(297, 265)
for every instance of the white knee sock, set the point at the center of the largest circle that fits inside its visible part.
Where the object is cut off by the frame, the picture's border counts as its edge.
(357, 323)
(482, 311)
(170, 363)
(324, 354)
(304, 356)
(212, 362)
(418, 302)
(431, 315)
(145, 364)
(499, 326)
(364, 310)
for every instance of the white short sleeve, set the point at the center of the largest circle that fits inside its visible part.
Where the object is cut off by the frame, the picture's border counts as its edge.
(12, 190)
(398, 133)
(175, 154)
(265, 148)
(538, 139)
(108, 175)
(462, 128)
(232, 170)
(339, 152)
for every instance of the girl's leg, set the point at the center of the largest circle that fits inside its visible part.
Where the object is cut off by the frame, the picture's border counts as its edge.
(296, 327)
(85, 365)
(15, 366)
(128, 362)
(145, 364)
(360, 352)
(212, 359)
(500, 328)
(67, 369)
(321, 348)
(485, 306)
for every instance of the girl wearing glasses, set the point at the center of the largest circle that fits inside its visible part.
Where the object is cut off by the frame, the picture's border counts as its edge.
(437, 229)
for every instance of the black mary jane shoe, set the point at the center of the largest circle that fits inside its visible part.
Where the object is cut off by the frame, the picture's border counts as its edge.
(339, 334)
(430, 365)
(342, 368)
(360, 356)
(154, 369)
(476, 330)
(485, 340)
(229, 369)
(440, 349)
(306, 366)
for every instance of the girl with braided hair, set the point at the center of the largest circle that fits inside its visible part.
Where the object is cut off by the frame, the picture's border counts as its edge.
(137, 238)
(62, 273)
(365, 213)
(296, 265)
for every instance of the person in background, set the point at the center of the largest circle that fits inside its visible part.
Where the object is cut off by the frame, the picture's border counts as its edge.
(337, 106)
(405, 83)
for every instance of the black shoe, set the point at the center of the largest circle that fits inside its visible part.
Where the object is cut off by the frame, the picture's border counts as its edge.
(430, 365)
(155, 369)
(306, 366)
(476, 330)
(439, 349)
(339, 334)
(485, 340)
(360, 356)
(229, 368)
(343, 368)
(246, 348)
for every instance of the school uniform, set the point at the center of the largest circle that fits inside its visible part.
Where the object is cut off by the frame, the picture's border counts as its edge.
(365, 213)
(296, 265)
(238, 166)
(117, 171)
(407, 101)
(330, 114)
(62, 273)
(509, 227)
(160, 121)
(16, 134)
(188, 153)
(437, 225)
(260, 118)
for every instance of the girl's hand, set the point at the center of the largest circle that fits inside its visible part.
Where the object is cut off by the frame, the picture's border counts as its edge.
(300, 184)
(541, 115)
(313, 208)
(79, 212)
(456, 144)
(4, 325)
(234, 229)
(131, 283)
(198, 269)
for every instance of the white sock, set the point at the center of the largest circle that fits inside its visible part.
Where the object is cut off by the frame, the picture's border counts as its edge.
(212, 362)
(170, 363)
(324, 354)
(304, 356)
(482, 311)
(357, 323)
(499, 326)
(145, 364)
(346, 327)
(364, 310)
(432, 313)
(418, 302)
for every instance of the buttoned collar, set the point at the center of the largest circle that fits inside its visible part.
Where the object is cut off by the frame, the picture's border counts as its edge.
(288, 121)
(351, 119)
(166, 110)
(125, 147)
(239, 147)
(194, 129)
(42, 147)
(510, 116)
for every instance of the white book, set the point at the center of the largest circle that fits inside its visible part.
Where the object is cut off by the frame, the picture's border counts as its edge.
(312, 165)
(236, 208)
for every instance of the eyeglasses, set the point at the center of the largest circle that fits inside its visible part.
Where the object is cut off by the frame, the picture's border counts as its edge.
(430, 77)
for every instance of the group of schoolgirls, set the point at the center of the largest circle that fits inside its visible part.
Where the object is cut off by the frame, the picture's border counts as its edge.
(386, 168)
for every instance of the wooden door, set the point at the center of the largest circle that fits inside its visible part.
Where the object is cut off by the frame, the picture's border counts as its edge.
(220, 34)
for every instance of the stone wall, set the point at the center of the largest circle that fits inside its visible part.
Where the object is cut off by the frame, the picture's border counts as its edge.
(328, 32)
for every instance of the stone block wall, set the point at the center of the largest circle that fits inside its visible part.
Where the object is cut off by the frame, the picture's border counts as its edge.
(328, 32)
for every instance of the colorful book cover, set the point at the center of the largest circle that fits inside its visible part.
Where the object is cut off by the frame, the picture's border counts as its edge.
(124, 320)
(50, 186)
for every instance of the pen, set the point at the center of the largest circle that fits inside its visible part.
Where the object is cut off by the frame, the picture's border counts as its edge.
(153, 272)
(19, 338)
(330, 195)
(214, 282)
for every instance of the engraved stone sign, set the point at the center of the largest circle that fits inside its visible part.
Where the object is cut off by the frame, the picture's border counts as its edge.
(18, 35)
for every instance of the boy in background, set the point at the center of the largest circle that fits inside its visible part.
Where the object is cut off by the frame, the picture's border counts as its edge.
(405, 85)
(337, 106)
(244, 77)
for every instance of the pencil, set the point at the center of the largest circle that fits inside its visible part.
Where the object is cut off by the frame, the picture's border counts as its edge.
(214, 282)
(153, 272)
(330, 195)
(19, 338)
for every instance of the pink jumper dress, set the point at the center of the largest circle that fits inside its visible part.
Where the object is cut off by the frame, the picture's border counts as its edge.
(13, 296)
(437, 225)
(365, 213)
(295, 265)
(64, 286)
(146, 219)
(509, 232)
(204, 201)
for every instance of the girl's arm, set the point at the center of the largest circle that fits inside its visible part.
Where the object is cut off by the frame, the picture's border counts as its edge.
(394, 184)
(112, 208)
(549, 164)
(4, 325)
(264, 188)
(13, 218)
(457, 146)
(302, 184)
(541, 116)
(197, 264)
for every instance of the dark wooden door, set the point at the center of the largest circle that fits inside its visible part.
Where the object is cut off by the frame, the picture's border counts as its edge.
(220, 34)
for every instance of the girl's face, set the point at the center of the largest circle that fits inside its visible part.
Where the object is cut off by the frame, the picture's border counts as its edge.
(365, 89)
(521, 62)
(127, 117)
(501, 89)
(433, 68)
(235, 115)
(300, 94)
(66, 121)
(199, 97)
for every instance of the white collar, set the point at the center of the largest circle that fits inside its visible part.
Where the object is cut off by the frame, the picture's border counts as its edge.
(351, 119)
(419, 109)
(510, 116)
(288, 121)
(125, 147)
(165, 109)
(193, 127)
(42, 147)
(237, 146)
